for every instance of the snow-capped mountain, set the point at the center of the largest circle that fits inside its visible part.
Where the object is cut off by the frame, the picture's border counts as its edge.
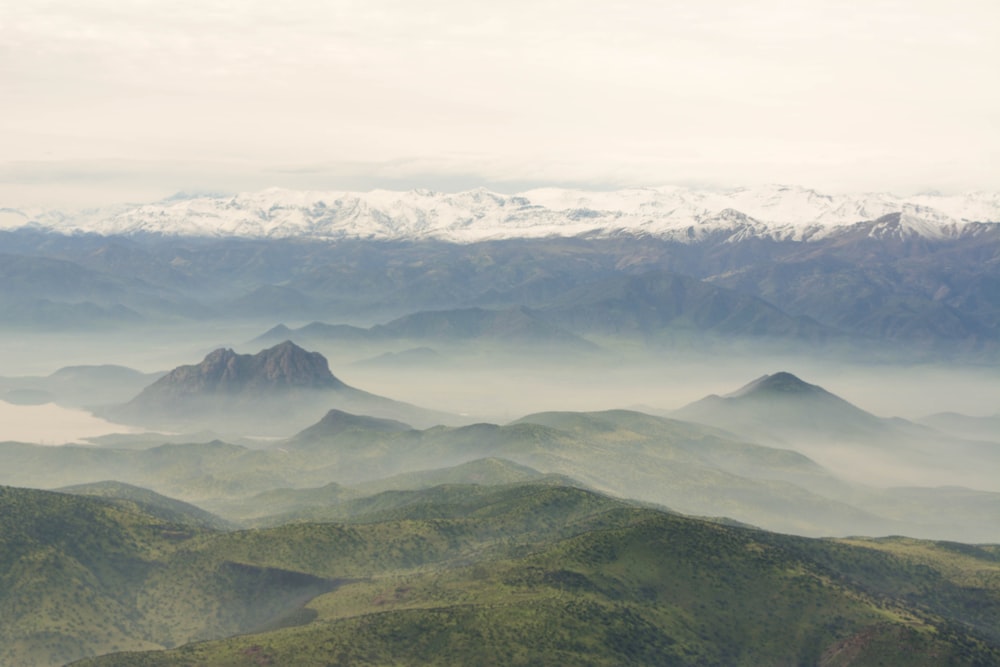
(777, 212)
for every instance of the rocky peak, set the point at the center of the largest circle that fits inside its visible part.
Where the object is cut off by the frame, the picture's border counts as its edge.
(284, 367)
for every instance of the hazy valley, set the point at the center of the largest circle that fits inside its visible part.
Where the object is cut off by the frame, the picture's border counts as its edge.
(375, 433)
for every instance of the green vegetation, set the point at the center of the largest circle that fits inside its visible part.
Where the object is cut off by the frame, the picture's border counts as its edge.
(82, 576)
(647, 588)
(688, 467)
(67, 565)
(138, 499)
(524, 573)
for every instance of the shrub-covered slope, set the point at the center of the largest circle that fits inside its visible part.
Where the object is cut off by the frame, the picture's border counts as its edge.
(640, 587)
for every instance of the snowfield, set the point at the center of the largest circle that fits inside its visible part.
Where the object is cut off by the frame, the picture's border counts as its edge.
(775, 212)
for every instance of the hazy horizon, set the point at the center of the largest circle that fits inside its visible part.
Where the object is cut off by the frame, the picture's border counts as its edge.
(497, 385)
(109, 103)
(524, 441)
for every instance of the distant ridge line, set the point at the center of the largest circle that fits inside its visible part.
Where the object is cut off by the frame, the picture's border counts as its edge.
(686, 215)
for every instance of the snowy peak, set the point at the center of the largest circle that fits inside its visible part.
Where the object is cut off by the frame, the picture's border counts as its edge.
(908, 225)
(687, 215)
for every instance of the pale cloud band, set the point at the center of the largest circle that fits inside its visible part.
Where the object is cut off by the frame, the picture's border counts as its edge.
(876, 95)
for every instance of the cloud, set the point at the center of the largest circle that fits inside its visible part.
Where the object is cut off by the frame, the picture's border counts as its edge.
(646, 92)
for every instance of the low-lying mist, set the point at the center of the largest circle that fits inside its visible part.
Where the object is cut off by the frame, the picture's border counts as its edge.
(50, 424)
(503, 385)
(498, 383)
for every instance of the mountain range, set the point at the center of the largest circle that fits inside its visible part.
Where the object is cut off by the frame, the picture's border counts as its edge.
(782, 410)
(288, 516)
(518, 327)
(774, 212)
(365, 540)
(852, 291)
(794, 476)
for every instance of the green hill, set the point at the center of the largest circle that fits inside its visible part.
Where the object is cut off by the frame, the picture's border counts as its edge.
(192, 472)
(336, 502)
(82, 576)
(136, 498)
(611, 585)
(487, 471)
(692, 468)
(446, 501)
(514, 574)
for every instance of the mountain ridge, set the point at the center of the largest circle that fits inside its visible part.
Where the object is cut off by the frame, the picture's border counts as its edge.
(567, 576)
(682, 214)
(784, 411)
(280, 389)
(517, 326)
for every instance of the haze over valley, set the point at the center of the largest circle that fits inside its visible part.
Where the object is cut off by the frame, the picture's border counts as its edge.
(534, 333)
(834, 381)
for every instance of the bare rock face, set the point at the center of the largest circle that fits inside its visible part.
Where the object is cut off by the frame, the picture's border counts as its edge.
(280, 369)
(278, 391)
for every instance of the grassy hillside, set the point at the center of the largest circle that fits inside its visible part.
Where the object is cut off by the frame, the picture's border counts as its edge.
(526, 573)
(653, 589)
(138, 499)
(82, 576)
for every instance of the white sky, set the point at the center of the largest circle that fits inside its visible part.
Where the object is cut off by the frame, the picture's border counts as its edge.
(114, 100)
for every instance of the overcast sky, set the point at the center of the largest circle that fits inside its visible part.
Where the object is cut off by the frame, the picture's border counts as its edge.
(119, 100)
